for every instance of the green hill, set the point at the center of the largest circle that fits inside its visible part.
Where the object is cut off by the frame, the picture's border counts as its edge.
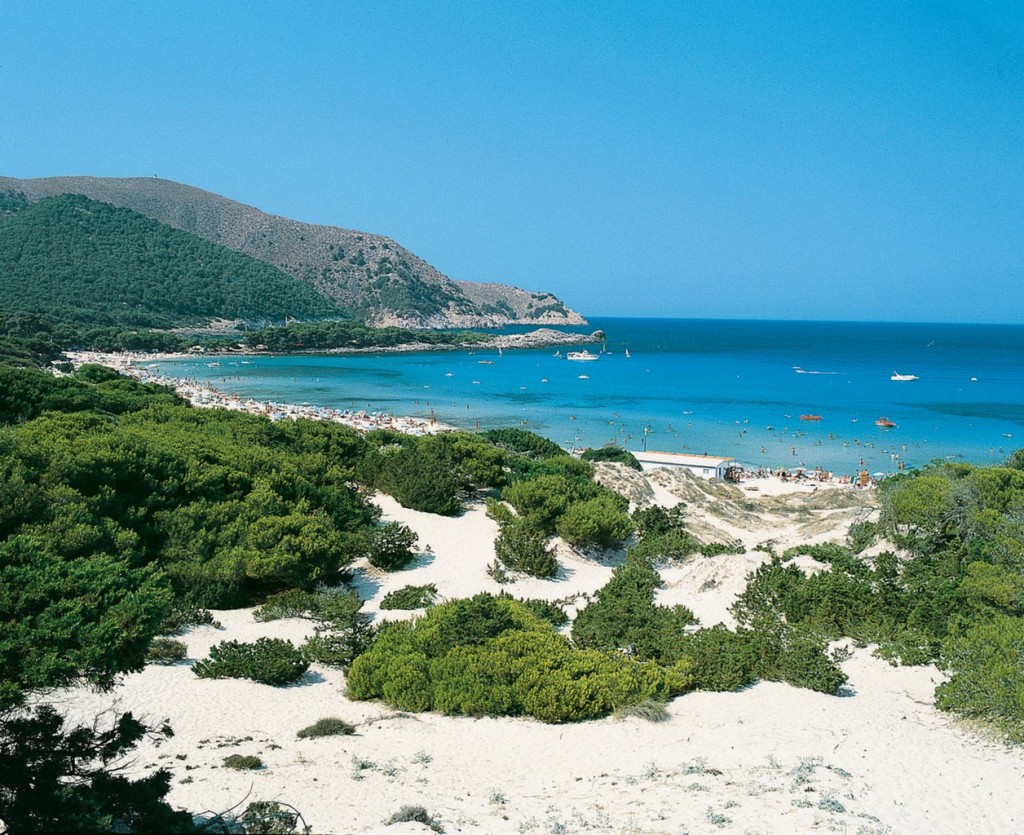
(93, 263)
(371, 277)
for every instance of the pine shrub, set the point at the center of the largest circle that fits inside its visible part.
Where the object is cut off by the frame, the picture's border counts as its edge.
(410, 597)
(391, 548)
(166, 651)
(493, 656)
(520, 547)
(268, 660)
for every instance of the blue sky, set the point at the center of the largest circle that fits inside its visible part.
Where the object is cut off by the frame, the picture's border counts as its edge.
(806, 160)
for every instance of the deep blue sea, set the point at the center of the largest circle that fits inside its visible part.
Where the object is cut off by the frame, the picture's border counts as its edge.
(724, 387)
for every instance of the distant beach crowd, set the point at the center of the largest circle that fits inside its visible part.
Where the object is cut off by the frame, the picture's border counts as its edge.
(208, 397)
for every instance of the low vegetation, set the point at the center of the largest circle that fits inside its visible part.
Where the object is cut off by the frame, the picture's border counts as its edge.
(328, 726)
(410, 597)
(268, 660)
(166, 651)
(493, 656)
(243, 762)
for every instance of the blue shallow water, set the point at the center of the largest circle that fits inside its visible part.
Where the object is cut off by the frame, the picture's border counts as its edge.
(724, 387)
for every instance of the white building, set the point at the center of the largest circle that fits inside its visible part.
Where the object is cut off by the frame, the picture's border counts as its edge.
(704, 466)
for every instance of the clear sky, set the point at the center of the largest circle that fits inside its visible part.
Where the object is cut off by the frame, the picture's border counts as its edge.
(811, 160)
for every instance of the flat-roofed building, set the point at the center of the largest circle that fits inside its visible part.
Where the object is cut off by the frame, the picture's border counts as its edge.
(705, 466)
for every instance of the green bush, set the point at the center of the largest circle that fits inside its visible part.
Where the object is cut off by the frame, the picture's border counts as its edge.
(492, 656)
(598, 522)
(423, 473)
(291, 603)
(410, 597)
(543, 609)
(240, 762)
(414, 814)
(166, 651)
(714, 549)
(721, 659)
(524, 442)
(656, 520)
(984, 662)
(328, 726)
(183, 616)
(670, 545)
(861, 536)
(268, 817)
(268, 660)
(539, 501)
(519, 547)
(391, 547)
(499, 511)
(625, 618)
(338, 648)
(612, 453)
(650, 710)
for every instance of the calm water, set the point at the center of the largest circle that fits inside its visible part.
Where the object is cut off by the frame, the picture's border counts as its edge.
(724, 387)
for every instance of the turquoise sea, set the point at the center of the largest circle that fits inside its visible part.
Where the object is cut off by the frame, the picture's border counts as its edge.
(725, 387)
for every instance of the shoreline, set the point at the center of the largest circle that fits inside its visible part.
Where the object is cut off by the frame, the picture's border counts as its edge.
(207, 397)
(801, 479)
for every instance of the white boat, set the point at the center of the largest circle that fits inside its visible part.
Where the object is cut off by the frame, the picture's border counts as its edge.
(583, 355)
(903, 377)
(584, 377)
(627, 353)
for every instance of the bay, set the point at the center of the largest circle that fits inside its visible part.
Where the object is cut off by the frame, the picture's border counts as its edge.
(723, 387)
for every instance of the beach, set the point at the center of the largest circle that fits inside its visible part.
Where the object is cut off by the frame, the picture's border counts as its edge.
(772, 758)
(205, 396)
(769, 759)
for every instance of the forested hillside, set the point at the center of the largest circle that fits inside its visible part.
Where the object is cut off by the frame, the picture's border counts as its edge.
(91, 263)
(371, 277)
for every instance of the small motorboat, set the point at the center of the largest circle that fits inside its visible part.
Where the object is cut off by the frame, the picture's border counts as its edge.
(885, 423)
(810, 417)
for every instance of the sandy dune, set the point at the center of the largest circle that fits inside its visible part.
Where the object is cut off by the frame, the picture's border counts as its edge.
(772, 758)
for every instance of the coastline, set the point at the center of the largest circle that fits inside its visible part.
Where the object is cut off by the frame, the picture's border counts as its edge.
(207, 397)
(138, 366)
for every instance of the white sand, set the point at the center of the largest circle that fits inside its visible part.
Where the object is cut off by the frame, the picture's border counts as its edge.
(772, 758)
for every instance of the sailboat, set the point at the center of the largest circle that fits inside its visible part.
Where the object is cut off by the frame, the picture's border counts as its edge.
(627, 353)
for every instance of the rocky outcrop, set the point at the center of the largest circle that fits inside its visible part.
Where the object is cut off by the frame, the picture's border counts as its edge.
(375, 278)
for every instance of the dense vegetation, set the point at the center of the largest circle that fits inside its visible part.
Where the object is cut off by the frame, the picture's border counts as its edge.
(72, 257)
(612, 453)
(491, 656)
(324, 336)
(122, 510)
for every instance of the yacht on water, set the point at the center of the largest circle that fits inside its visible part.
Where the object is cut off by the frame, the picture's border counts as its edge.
(583, 355)
(903, 377)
